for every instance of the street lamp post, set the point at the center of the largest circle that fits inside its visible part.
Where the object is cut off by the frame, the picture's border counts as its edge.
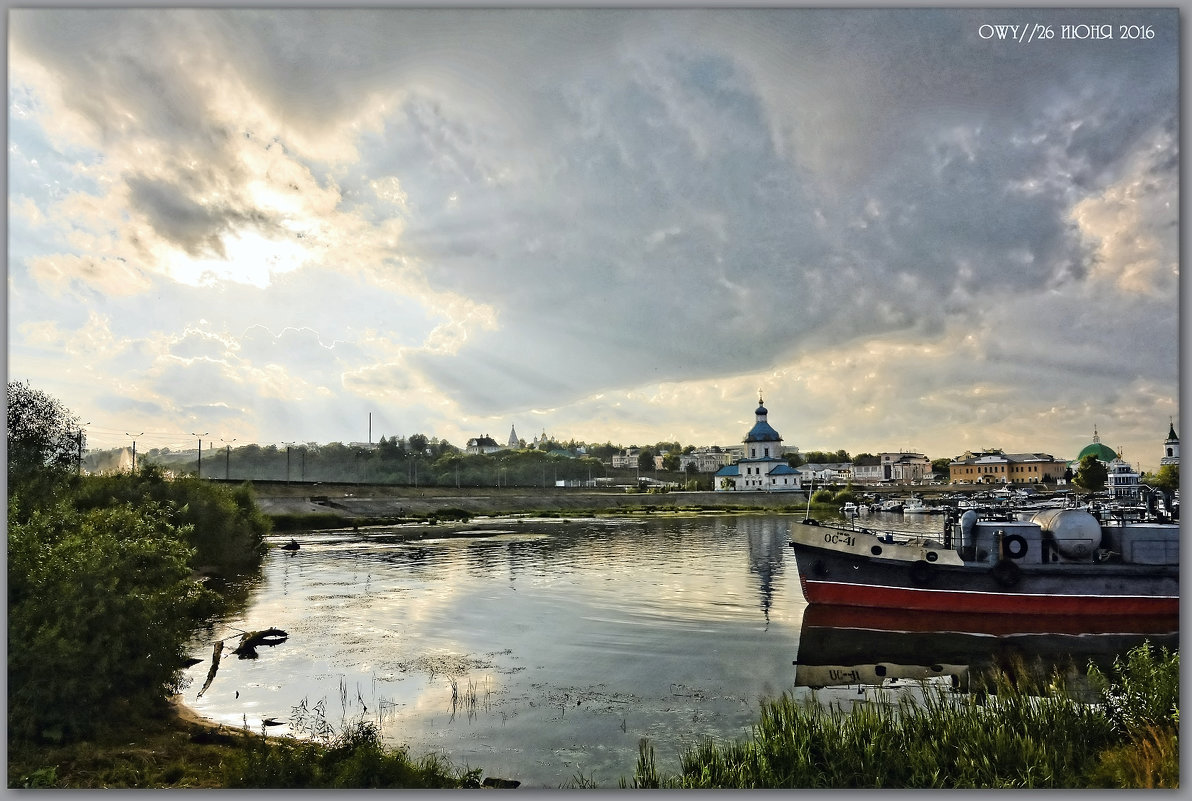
(199, 468)
(134, 448)
(228, 457)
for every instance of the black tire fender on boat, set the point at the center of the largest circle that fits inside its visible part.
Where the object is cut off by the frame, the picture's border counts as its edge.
(1006, 573)
(921, 573)
(1015, 545)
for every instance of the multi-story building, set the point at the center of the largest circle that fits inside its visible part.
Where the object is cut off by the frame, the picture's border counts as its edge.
(1122, 481)
(485, 444)
(902, 467)
(626, 459)
(706, 460)
(999, 467)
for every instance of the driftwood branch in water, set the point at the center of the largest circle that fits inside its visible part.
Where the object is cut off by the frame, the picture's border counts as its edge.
(215, 654)
(251, 639)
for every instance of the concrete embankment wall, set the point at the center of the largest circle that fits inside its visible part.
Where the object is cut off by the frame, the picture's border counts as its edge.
(385, 501)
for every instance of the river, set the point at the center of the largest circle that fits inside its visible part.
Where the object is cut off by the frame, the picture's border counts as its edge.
(539, 650)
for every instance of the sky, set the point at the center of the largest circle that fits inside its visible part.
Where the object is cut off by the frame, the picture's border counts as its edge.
(904, 229)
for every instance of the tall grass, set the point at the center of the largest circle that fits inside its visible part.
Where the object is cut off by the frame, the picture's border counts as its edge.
(352, 758)
(1026, 730)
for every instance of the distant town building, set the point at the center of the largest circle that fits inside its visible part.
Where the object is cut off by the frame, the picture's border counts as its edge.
(514, 442)
(626, 458)
(706, 460)
(763, 468)
(1171, 448)
(1123, 482)
(1095, 448)
(900, 468)
(999, 467)
(484, 444)
(834, 473)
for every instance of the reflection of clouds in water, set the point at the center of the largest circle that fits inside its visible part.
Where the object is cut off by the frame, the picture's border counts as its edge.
(534, 654)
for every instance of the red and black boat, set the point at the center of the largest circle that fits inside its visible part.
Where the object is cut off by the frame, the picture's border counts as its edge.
(1064, 562)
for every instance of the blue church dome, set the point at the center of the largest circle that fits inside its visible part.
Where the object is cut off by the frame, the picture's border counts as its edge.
(762, 431)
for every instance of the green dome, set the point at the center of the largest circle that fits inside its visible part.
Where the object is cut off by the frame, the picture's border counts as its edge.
(1102, 452)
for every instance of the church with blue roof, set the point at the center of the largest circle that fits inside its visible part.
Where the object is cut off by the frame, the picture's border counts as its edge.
(763, 469)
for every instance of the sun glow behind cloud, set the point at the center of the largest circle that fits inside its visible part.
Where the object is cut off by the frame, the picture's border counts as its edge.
(616, 223)
(249, 258)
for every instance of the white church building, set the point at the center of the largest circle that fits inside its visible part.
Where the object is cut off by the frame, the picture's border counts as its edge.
(763, 469)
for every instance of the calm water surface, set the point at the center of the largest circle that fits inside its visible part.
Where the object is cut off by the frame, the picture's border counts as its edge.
(538, 654)
(540, 651)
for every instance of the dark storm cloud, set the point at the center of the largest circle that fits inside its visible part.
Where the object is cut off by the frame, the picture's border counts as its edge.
(644, 196)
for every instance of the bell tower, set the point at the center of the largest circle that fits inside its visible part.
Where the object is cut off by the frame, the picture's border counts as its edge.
(1171, 447)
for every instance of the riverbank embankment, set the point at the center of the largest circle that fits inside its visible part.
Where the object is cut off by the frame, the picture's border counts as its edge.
(382, 501)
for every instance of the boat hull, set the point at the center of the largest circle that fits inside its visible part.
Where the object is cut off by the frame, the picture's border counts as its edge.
(843, 568)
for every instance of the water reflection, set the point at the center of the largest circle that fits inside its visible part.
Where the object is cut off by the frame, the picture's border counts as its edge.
(538, 650)
(845, 647)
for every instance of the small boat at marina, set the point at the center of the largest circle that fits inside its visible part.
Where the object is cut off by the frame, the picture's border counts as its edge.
(1058, 562)
(917, 506)
(850, 509)
(890, 505)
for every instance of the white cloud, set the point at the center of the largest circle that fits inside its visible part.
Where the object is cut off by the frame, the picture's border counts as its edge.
(595, 215)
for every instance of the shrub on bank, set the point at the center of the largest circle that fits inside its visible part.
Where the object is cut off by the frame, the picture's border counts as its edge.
(1025, 734)
(99, 605)
(226, 529)
(309, 521)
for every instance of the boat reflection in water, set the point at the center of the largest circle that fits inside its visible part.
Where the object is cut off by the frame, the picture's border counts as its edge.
(866, 649)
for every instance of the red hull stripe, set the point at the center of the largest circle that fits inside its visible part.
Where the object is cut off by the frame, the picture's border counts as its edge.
(836, 593)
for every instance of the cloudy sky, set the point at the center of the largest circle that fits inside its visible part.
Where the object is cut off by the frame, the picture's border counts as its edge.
(608, 225)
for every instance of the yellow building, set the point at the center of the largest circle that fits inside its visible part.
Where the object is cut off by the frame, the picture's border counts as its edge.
(999, 467)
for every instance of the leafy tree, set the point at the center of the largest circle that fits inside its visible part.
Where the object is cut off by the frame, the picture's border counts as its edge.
(1091, 475)
(99, 606)
(827, 457)
(645, 459)
(866, 459)
(671, 462)
(941, 466)
(795, 459)
(1166, 480)
(44, 437)
(418, 443)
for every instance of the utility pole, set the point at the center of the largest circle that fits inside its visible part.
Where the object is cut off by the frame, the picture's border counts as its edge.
(134, 449)
(199, 469)
(79, 465)
(228, 457)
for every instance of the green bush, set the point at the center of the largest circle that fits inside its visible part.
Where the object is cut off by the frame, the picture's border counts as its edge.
(823, 496)
(99, 605)
(224, 525)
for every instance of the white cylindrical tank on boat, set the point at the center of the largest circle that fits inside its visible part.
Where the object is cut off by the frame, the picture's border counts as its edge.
(967, 521)
(1075, 532)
